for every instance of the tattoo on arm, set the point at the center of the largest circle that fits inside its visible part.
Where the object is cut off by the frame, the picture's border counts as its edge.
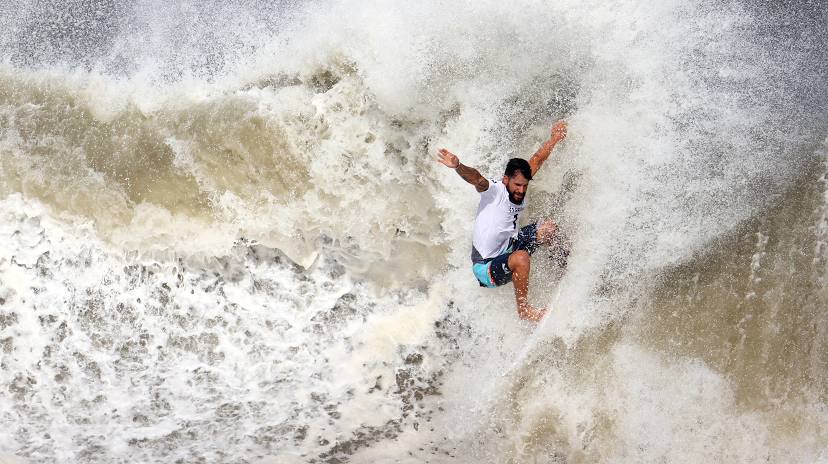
(472, 176)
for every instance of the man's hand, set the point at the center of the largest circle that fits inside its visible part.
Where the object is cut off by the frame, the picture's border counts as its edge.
(448, 158)
(558, 131)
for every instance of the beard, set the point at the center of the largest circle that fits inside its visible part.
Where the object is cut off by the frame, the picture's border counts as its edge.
(515, 200)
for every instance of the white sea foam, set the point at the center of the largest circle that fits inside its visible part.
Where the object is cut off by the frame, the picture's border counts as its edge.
(230, 241)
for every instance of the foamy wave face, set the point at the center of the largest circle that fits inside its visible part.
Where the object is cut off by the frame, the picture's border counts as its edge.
(284, 166)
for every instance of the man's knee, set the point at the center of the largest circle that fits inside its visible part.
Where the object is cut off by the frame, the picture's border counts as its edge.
(546, 231)
(519, 261)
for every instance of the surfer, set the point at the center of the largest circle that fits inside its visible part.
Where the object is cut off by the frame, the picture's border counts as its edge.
(500, 251)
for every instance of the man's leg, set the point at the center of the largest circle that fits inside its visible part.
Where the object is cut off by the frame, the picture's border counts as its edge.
(534, 235)
(549, 235)
(519, 264)
(546, 232)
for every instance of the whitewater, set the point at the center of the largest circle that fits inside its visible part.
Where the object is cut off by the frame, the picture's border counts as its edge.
(225, 237)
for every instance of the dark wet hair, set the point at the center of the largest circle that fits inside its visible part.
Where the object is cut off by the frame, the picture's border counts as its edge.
(518, 165)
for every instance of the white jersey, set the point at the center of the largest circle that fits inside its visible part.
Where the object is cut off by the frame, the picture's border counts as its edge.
(496, 222)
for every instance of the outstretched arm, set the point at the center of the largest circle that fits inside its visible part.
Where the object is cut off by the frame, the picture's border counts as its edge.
(470, 175)
(558, 134)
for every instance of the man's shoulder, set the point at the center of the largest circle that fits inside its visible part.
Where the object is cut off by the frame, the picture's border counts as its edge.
(494, 194)
(493, 184)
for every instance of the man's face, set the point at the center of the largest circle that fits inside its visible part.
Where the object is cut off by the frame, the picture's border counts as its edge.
(516, 186)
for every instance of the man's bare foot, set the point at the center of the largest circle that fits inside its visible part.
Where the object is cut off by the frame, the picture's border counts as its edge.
(528, 313)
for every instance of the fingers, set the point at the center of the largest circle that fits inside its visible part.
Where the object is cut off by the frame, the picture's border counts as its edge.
(448, 158)
(559, 130)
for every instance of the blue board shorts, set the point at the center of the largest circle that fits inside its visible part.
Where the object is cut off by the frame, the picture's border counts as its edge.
(493, 272)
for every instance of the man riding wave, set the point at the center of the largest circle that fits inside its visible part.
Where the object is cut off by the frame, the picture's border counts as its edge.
(501, 252)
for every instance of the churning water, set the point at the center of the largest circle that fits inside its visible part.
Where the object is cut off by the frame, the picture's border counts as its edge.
(224, 236)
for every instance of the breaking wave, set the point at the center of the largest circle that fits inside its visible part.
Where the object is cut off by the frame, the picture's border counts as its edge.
(226, 238)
